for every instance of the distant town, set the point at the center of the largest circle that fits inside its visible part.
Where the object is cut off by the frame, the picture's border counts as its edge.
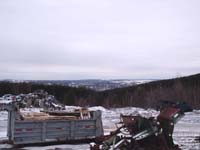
(94, 84)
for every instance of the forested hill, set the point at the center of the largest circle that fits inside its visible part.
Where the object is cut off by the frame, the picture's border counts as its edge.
(145, 95)
(185, 89)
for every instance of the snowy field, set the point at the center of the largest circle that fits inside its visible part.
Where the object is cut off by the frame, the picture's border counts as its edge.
(185, 131)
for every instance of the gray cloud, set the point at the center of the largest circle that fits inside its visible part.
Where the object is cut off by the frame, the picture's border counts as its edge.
(48, 39)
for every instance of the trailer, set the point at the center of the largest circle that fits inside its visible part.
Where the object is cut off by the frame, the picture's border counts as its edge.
(43, 127)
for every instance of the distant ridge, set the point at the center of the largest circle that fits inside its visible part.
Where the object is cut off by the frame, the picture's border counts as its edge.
(93, 84)
(144, 95)
(148, 94)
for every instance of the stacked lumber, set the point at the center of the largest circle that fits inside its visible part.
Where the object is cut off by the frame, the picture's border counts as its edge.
(36, 116)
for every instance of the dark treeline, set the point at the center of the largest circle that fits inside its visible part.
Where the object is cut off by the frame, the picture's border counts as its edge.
(185, 89)
(65, 94)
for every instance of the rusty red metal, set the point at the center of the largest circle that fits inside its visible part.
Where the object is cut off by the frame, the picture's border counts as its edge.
(168, 113)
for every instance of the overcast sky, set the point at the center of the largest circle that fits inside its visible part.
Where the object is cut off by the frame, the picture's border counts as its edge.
(105, 39)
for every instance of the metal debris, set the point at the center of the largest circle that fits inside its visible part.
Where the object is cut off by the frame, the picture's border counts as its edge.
(140, 133)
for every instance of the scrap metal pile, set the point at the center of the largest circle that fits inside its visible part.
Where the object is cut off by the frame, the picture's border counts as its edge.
(39, 99)
(140, 133)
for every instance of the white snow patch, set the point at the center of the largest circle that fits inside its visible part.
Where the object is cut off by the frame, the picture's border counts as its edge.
(30, 110)
(71, 108)
(5, 101)
(102, 109)
(64, 147)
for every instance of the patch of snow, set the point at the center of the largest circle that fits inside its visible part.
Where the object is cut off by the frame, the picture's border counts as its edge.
(30, 110)
(137, 111)
(71, 108)
(5, 101)
(102, 109)
(61, 147)
(5, 146)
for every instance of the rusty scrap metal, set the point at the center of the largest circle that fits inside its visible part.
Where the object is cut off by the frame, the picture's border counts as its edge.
(140, 133)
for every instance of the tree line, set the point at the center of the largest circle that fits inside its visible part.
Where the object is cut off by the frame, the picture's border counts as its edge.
(146, 95)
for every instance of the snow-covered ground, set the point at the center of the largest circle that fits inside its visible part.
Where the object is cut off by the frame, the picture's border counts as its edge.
(185, 130)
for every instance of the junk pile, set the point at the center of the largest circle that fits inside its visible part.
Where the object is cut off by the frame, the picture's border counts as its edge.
(140, 133)
(39, 98)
